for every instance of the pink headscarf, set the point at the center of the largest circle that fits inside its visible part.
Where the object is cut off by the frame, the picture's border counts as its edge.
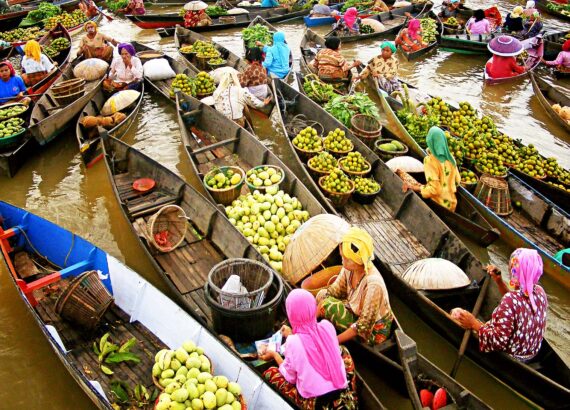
(526, 267)
(414, 27)
(350, 16)
(321, 346)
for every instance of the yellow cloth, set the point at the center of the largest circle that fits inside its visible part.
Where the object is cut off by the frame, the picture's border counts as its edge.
(363, 242)
(442, 181)
(90, 23)
(33, 50)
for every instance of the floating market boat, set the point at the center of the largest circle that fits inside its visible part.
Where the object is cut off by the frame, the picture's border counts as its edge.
(548, 95)
(392, 20)
(552, 46)
(44, 259)
(413, 55)
(214, 239)
(311, 21)
(556, 193)
(534, 49)
(89, 139)
(406, 230)
(554, 9)
(10, 20)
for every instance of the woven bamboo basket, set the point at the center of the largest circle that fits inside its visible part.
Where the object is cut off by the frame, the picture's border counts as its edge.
(315, 172)
(494, 193)
(367, 128)
(366, 199)
(388, 155)
(170, 221)
(264, 187)
(338, 199)
(321, 280)
(84, 301)
(305, 155)
(225, 196)
(355, 173)
(202, 62)
(213, 66)
(469, 186)
(340, 154)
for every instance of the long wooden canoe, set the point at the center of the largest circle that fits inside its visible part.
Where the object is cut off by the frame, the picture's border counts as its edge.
(539, 224)
(535, 52)
(560, 197)
(139, 310)
(89, 140)
(413, 55)
(548, 95)
(405, 230)
(543, 5)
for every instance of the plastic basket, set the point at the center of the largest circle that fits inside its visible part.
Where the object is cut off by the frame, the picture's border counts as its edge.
(12, 140)
(367, 128)
(338, 199)
(321, 279)
(225, 196)
(167, 228)
(494, 193)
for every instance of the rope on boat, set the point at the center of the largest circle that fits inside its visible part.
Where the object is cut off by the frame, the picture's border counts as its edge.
(299, 122)
(45, 258)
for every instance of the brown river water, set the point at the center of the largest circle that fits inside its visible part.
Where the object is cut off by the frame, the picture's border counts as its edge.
(55, 185)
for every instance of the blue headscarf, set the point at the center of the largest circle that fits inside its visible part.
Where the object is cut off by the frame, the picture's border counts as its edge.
(277, 56)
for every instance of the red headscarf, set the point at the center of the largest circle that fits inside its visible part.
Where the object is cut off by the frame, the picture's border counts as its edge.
(10, 66)
(566, 46)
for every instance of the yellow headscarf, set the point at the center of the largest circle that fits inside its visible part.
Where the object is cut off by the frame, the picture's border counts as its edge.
(324, 2)
(362, 241)
(88, 24)
(33, 50)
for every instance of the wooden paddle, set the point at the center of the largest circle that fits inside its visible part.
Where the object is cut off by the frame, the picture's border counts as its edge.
(109, 18)
(467, 333)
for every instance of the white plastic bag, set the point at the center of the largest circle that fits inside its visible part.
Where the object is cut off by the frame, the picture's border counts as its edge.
(233, 285)
(158, 69)
(375, 24)
(237, 10)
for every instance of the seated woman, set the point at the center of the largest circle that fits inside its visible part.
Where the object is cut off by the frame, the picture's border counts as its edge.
(410, 38)
(277, 56)
(95, 44)
(384, 68)
(35, 65)
(504, 64)
(329, 63)
(518, 323)
(514, 21)
(321, 9)
(441, 172)
(562, 61)
(135, 7)
(196, 18)
(450, 9)
(380, 6)
(316, 373)
(357, 302)
(349, 23)
(89, 8)
(232, 100)
(126, 71)
(533, 26)
(254, 78)
(12, 87)
(478, 24)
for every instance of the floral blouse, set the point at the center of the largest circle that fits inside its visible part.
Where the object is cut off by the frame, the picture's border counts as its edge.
(379, 67)
(254, 74)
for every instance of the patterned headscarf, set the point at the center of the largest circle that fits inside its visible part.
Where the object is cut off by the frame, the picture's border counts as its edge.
(10, 66)
(526, 267)
(413, 27)
(362, 241)
(33, 50)
(437, 144)
(229, 79)
(90, 23)
(389, 44)
(127, 46)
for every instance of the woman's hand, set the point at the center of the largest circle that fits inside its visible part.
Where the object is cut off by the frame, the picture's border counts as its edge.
(467, 321)
(494, 272)
(286, 331)
(259, 44)
(268, 356)
(267, 100)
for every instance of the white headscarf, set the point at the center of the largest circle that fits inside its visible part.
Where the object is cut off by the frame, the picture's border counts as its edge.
(228, 80)
(530, 4)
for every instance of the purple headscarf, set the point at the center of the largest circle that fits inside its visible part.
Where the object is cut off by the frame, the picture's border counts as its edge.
(128, 47)
(526, 267)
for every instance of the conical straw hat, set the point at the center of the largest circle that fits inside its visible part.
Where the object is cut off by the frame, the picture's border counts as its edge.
(311, 245)
(435, 274)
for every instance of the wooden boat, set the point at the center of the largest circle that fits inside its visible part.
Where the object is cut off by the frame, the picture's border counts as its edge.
(219, 239)
(552, 46)
(559, 197)
(543, 6)
(413, 55)
(405, 230)
(12, 19)
(535, 49)
(539, 224)
(311, 21)
(170, 20)
(89, 140)
(392, 20)
(549, 95)
(37, 240)
(49, 119)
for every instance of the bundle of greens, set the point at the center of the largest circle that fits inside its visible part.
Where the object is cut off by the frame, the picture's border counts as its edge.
(359, 4)
(429, 30)
(116, 5)
(259, 32)
(317, 90)
(215, 11)
(344, 107)
(44, 11)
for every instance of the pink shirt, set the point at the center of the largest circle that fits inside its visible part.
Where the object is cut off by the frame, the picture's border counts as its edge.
(563, 59)
(479, 27)
(298, 371)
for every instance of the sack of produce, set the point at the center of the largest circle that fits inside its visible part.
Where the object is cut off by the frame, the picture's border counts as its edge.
(218, 73)
(158, 69)
(91, 69)
(407, 164)
(375, 24)
(119, 101)
(238, 10)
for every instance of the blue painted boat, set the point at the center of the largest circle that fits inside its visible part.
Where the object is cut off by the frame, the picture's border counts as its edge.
(43, 258)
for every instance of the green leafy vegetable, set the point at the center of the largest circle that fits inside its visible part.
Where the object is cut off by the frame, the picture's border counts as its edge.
(259, 32)
(344, 107)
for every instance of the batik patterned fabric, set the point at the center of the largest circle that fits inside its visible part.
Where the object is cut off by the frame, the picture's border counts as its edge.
(514, 328)
(442, 181)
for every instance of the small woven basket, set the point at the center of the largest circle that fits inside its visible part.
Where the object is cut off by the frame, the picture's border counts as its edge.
(367, 128)
(305, 155)
(494, 193)
(226, 196)
(355, 173)
(84, 301)
(388, 155)
(340, 154)
(170, 222)
(315, 173)
(338, 199)
(365, 199)
(321, 279)
(469, 186)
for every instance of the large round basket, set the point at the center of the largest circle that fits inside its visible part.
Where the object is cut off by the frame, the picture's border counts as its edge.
(167, 228)
(338, 199)
(494, 193)
(202, 62)
(366, 199)
(316, 173)
(321, 280)
(305, 155)
(84, 301)
(227, 195)
(213, 66)
(264, 187)
(355, 173)
(385, 154)
(340, 154)
(7, 117)
(367, 128)
(471, 185)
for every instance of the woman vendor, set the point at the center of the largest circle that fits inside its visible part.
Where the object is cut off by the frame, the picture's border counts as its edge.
(478, 24)
(533, 26)
(254, 78)
(277, 56)
(514, 21)
(317, 373)
(349, 23)
(562, 61)
(35, 65)
(384, 68)
(321, 9)
(231, 99)
(518, 323)
(410, 38)
(530, 8)
(357, 302)
(504, 63)
(196, 18)
(329, 63)
(134, 7)
(12, 87)
(126, 71)
(95, 44)
(441, 172)
(89, 8)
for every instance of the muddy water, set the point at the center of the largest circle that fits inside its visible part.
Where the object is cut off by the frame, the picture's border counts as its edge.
(55, 185)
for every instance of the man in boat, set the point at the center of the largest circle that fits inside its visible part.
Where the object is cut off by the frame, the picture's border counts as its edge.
(410, 38)
(357, 302)
(35, 65)
(134, 7)
(317, 373)
(562, 61)
(384, 68)
(12, 87)
(504, 63)
(441, 172)
(95, 44)
(329, 63)
(88, 8)
(517, 325)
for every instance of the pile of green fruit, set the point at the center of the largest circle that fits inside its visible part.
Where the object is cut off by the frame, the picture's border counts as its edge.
(468, 177)
(337, 181)
(217, 61)
(491, 163)
(12, 111)
(560, 8)
(457, 147)
(204, 84)
(324, 162)
(183, 83)
(224, 178)
(354, 162)
(67, 20)
(308, 140)
(429, 30)
(215, 11)
(50, 52)
(22, 34)
(187, 49)
(531, 163)
(452, 21)
(366, 185)
(392, 146)
(317, 90)
(366, 29)
(11, 127)
(264, 176)
(258, 32)
(268, 221)
(205, 49)
(336, 141)
(344, 107)
(56, 46)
